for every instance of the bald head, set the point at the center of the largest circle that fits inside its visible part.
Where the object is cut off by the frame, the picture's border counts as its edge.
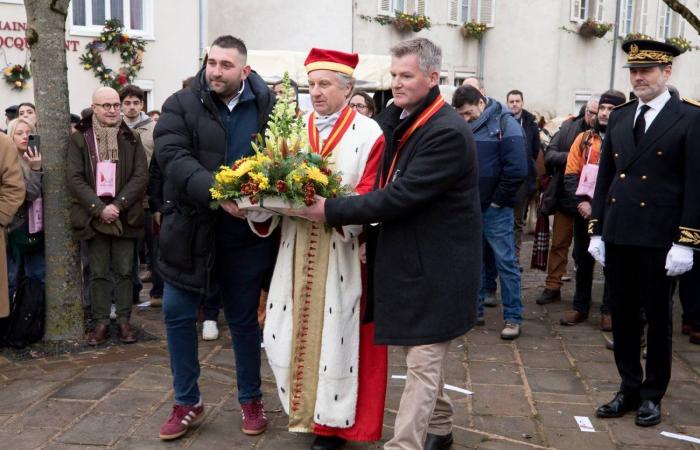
(474, 82)
(106, 106)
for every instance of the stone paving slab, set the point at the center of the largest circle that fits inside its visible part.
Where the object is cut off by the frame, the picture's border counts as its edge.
(526, 392)
(17, 395)
(97, 429)
(50, 414)
(28, 438)
(554, 380)
(86, 389)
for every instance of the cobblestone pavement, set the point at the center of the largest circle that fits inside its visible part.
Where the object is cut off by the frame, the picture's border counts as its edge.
(526, 392)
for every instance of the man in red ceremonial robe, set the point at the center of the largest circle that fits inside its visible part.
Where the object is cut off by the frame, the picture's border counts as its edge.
(330, 375)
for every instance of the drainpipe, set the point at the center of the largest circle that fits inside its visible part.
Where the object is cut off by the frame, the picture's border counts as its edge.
(203, 19)
(482, 52)
(616, 31)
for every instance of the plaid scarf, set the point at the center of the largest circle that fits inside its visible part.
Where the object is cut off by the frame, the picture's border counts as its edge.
(106, 136)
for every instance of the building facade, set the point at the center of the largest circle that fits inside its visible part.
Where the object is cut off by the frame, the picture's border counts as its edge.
(530, 45)
(170, 29)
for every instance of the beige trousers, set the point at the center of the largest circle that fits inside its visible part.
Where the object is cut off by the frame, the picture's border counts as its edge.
(424, 407)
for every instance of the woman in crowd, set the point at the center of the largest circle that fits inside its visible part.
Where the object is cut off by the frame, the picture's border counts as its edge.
(362, 103)
(27, 111)
(25, 247)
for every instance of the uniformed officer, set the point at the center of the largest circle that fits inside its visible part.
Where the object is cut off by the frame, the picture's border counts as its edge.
(645, 223)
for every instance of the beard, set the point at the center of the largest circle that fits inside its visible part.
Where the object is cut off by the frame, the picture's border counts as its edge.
(599, 127)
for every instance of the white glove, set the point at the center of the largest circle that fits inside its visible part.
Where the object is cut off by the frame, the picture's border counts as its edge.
(259, 216)
(597, 249)
(679, 260)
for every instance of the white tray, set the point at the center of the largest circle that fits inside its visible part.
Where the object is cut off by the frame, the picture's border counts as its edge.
(270, 204)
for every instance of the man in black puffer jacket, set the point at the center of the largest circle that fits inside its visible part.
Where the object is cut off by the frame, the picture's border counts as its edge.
(201, 251)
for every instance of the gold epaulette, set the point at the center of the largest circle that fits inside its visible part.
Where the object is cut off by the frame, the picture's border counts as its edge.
(690, 101)
(625, 104)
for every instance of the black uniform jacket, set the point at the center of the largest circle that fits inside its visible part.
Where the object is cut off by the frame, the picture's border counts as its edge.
(428, 253)
(649, 194)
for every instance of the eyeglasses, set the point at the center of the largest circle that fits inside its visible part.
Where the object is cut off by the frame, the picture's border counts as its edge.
(591, 112)
(357, 106)
(108, 106)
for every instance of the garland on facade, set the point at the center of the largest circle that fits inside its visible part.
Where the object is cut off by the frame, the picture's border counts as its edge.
(636, 36)
(402, 21)
(17, 76)
(473, 30)
(684, 45)
(114, 39)
(591, 28)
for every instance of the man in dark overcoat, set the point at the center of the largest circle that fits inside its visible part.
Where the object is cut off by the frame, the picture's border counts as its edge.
(645, 224)
(428, 251)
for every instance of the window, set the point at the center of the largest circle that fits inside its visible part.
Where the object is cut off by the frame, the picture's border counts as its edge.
(88, 16)
(459, 11)
(388, 7)
(664, 21)
(461, 76)
(148, 87)
(582, 10)
(580, 100)
(579, 10)
(626, 17)
(599, 10)
(643, 16)
(444, 80)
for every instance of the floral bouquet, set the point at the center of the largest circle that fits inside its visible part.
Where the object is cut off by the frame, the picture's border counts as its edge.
(283, 173)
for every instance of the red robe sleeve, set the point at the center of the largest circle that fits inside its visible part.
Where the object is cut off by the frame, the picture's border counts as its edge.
(375, 155)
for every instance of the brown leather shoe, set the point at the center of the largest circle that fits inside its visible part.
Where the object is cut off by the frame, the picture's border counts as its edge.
(572, 317)
(126, 333)
(605, 322)
(99, 335)
(686, 329)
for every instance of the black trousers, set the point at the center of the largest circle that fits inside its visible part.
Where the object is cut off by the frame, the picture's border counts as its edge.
(584, 270)
(637, 281)
(689, 293)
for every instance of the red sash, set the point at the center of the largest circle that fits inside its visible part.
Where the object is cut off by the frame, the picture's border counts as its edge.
(420, 121)
(339, 129)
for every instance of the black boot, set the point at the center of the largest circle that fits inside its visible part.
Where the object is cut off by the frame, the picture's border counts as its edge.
(437, 442)
(327, 443)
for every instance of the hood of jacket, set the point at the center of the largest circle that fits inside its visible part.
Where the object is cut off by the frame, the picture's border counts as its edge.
(489, 125)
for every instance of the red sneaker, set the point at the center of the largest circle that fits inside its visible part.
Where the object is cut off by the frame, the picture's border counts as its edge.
(254, 419)
(180, 419)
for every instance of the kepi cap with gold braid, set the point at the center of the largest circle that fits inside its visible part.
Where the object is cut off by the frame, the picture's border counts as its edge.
(334, 60)
(647, 53)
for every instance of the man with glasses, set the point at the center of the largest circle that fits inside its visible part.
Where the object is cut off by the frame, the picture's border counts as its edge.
(107, 177)
(563, 228)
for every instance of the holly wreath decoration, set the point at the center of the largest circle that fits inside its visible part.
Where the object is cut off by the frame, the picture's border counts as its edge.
(17, 76)
(114, 39)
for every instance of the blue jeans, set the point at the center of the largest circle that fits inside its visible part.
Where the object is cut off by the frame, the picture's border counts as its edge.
(491, 273)
(239, 279)
(497, 232)
(34, 266)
